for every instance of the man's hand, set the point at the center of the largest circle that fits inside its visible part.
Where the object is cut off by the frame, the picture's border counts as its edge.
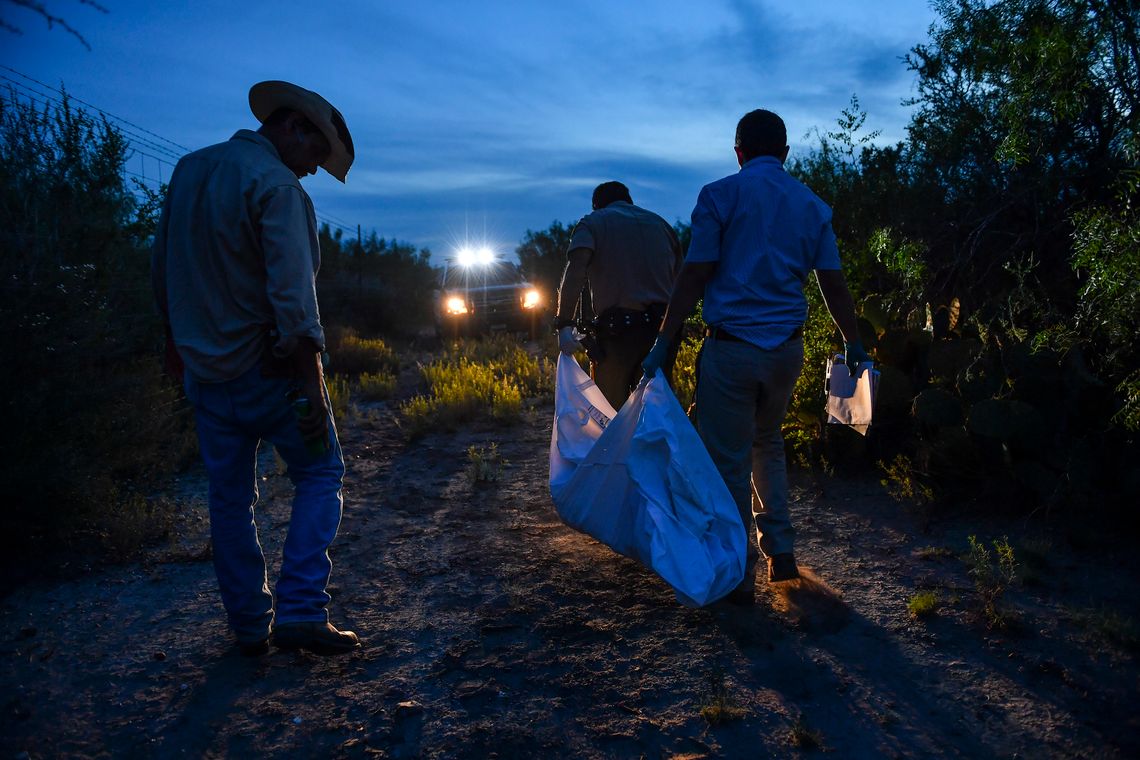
(567, 343)
(854, 355)
(315, 425)
(307, 360)
(656, 357)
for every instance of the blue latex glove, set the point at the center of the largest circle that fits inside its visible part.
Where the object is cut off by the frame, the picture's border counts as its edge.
(854, 355)
(656, 357)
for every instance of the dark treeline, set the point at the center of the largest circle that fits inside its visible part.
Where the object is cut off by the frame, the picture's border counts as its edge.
(373, 285)
(997, 250)
(90, 419)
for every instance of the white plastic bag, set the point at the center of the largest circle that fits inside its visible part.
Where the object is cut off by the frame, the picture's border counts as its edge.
(642, 483)
(851, 399)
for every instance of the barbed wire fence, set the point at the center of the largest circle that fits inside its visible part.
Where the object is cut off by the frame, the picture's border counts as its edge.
(152, 156)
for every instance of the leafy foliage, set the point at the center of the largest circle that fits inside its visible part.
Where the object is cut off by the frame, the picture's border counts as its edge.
(993, 572)
(1000, 241)
(485, 463)
(474, 380)
(92, 419)
(374, 285)
(352, 355)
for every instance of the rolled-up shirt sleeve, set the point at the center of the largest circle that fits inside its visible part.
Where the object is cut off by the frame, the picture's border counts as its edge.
(707, 230)
(292, 258)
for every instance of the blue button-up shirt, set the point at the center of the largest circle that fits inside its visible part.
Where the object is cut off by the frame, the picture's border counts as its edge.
(766, 231)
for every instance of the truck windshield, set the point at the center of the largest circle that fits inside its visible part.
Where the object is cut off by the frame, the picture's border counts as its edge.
(497, 274)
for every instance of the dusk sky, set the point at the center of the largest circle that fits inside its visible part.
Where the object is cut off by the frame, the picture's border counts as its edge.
(484, 120)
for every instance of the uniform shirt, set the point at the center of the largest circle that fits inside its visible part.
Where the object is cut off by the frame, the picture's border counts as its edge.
(766, 231)
(635, 256)
(236, 253)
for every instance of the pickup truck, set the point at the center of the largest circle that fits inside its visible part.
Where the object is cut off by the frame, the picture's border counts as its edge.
(479, 300)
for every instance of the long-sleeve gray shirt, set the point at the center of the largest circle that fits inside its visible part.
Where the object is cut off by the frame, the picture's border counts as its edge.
(236, 254)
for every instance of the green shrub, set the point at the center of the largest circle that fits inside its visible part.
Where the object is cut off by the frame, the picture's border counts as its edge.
(353, 355)
(376, 386)
(533, 376)
(417, 415)
(465, 389)
(932, 553)
(923, 604)
(485, 463)
(904, 483)
(339, 395)
(993, 572)
(685, 371)
(806, 410)
(1108, 625)
(93, 423)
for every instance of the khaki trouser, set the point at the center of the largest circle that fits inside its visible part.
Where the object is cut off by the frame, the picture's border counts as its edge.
(619, 371)
(742, 397)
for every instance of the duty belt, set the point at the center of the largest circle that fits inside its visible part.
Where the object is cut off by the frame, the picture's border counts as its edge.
(719, 333)
(617, 319)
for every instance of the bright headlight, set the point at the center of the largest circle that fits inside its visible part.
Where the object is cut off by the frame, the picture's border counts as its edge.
(531, 299)
(455, 305)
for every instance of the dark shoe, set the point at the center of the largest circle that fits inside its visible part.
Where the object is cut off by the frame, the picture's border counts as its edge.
(318, 638)
(744, 595)
(782, 567)
(254, 648)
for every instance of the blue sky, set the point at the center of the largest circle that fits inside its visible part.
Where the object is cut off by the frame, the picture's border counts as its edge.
(483, 120)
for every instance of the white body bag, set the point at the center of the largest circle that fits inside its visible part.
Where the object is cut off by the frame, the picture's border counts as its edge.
(641, 482)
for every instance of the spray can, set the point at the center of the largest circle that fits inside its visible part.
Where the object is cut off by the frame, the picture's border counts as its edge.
(316, 447)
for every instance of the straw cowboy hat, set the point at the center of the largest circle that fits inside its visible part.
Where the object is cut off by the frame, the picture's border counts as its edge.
(267, 97)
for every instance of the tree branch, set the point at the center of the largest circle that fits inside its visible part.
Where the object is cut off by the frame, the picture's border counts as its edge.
(52, 20)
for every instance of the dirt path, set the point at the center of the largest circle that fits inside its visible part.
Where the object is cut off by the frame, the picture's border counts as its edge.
(493, 630)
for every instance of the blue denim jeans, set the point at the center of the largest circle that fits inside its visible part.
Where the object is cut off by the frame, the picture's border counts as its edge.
(233, 418)
(742, 397)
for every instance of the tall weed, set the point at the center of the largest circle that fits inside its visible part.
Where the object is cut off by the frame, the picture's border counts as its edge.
(482, 379)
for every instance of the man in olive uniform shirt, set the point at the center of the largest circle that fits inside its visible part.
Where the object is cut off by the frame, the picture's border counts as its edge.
(630, 257)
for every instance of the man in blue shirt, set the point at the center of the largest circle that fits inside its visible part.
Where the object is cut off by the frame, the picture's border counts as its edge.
(757, 234)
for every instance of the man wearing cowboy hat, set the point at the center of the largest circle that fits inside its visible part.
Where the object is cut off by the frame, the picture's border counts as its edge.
(234, 274)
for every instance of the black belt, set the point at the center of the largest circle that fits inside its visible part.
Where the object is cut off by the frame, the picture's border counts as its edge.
(719, 333)
(617, 319)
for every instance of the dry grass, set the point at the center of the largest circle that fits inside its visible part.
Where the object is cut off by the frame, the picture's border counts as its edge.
(1107, 625)
(718, 705)
(801, 736)
(931, 553)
